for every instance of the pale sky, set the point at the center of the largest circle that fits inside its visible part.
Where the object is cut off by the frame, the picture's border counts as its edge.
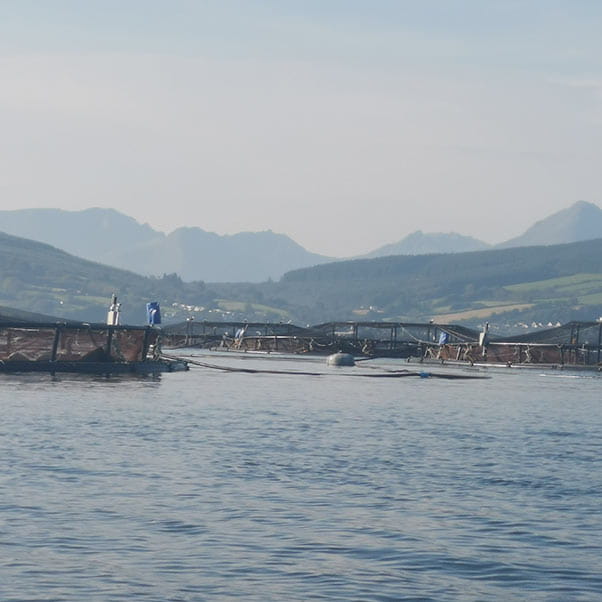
(345, 124)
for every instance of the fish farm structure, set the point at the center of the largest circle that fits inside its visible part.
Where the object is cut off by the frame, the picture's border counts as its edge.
(31, 342)
(576, 344)
(29, 346)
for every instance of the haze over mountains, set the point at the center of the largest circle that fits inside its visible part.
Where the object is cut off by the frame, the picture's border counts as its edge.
(112, 238)
(581, 221)
(420, 243)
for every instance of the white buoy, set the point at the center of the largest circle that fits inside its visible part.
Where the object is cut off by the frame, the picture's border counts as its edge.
(340, 359)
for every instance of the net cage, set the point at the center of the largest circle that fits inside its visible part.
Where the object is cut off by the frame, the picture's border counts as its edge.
(24, 343)
(399, 331)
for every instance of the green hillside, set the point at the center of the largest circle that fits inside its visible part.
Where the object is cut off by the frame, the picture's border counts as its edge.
(542, 284)
(506, 286)
(39, 278)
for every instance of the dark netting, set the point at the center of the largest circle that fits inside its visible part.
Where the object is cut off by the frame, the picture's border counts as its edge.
(410, 332)
(82, 344)
(574, 343)
(519, 353)
(127, 345)
(72, 344)
(205, 328)
(26, 344)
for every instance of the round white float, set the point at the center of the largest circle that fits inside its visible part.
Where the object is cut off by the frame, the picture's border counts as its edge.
(340, 359)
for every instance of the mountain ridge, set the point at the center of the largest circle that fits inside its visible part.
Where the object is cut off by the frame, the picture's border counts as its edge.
(581, 221)
(421, 243)
(113, 238)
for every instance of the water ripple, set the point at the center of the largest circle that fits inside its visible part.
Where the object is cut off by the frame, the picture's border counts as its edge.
(206, 486)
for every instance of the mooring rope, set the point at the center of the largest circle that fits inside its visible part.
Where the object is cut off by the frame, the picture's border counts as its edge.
(385, 374)
(245, 370)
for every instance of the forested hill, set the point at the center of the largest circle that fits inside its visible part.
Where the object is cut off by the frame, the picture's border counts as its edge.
(541, 284)
(492, 267)
(40, 278)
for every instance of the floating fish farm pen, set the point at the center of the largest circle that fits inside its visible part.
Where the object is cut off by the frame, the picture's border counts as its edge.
(375, 339)
(391, 339)
(239, 336)
(576, 344)
(81, 347)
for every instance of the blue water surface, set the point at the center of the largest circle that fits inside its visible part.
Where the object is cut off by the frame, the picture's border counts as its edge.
(211, 485)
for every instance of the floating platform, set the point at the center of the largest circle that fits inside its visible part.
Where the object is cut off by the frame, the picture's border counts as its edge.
(148, 367)
(574, 345)
(82, 348)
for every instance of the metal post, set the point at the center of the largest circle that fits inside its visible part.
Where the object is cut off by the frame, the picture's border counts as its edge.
(109, 341)
(147, 332)
(55, 344)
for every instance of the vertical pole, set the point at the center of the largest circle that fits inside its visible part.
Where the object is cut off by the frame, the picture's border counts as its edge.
(147, 332)
(55, 344)
(109, 340)
(599, 340)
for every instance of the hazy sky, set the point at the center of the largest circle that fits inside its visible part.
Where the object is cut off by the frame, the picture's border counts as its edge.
(346, 124)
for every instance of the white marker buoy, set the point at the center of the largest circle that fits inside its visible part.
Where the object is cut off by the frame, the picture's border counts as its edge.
(340, 359)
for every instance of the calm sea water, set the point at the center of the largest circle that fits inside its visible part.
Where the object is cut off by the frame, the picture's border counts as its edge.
(215, 486)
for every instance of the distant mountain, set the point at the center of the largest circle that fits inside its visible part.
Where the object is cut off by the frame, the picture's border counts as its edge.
(581, 221)
(96, 234)
(199, 255)
(419, 243)
(110, 237)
